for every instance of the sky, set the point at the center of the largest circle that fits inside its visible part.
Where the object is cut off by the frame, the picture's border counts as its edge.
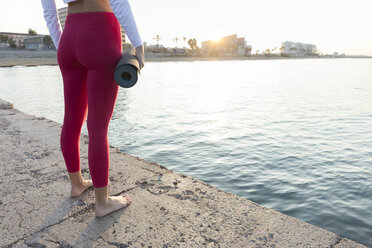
(342, 26)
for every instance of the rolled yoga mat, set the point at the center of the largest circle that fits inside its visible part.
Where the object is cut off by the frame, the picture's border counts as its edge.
(126, 72)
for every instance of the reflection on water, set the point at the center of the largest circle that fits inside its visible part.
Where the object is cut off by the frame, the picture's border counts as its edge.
(293, 135)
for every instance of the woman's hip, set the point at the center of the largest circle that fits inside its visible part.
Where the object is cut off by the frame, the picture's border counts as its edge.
(93, 38)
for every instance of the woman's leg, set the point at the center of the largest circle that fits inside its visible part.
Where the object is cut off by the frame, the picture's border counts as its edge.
(102, 94)
(98, 48)
(75, 97)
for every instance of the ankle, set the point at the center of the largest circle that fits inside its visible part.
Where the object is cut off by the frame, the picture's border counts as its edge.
(102, 202)
(76, 179)
(78, 184)
(101, 196)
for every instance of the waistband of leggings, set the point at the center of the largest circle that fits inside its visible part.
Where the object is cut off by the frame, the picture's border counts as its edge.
(90, 13)
(92, 21)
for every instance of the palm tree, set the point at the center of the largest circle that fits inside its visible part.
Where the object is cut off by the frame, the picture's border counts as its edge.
(184, 40)
(176, 40)
(157, 38)
(192, 44)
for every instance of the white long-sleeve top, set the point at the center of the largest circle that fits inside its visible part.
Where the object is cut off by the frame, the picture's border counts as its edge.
(121, 9)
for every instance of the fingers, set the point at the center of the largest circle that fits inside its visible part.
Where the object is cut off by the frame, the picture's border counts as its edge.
(140, 57)
(141, 63)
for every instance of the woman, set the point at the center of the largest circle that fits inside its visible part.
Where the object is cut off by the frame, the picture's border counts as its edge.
(88, 51)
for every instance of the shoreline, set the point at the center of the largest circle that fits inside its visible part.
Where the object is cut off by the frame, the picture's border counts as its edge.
(169, 209)
(9, 58)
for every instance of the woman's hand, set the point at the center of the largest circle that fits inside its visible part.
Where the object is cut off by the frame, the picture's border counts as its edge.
(140, 54)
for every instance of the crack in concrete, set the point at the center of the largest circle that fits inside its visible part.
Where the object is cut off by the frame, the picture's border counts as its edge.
(125, 190)
(138, 183)
(338, 240)
(61, 244)
(120, 245)
(90, 206)
(91, 239)
(210, 240)
(83, 210)
(144, 168)
(36, 232)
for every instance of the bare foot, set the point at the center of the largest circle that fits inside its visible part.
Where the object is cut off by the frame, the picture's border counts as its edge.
(113, 203)
(77, 190)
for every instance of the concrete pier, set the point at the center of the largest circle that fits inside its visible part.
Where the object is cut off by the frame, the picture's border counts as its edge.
(168, 209)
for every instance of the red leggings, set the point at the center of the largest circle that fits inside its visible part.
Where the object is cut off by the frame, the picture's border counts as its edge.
(88, 52)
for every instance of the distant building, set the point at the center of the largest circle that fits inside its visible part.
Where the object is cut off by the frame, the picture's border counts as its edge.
(179, 51)
(243, 48)
(209, 47)
(227, 46)
(17, 37)
(35, 42)
(154, 48)
(290, 48)
(62, 14)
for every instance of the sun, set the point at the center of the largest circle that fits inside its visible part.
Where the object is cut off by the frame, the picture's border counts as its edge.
(216, 39)
(214, 35)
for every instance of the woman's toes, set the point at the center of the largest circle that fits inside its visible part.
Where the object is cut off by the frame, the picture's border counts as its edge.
(115, 203)
(127, 198)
